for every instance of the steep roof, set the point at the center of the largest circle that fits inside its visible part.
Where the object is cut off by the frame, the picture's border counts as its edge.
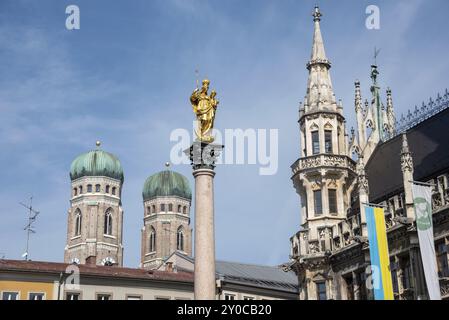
(429, 145)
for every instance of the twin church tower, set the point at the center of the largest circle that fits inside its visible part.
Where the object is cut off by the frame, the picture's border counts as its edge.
(95, 216)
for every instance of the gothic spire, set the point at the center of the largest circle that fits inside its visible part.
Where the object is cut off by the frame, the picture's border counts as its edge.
(320, 94)
(318, 52)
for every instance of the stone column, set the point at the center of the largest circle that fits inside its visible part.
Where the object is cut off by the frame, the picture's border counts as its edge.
(203, 157)
(204, 235)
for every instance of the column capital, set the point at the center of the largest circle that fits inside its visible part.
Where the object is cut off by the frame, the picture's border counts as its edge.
(203, 155)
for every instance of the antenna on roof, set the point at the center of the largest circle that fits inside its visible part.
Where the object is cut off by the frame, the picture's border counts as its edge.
(32, 215)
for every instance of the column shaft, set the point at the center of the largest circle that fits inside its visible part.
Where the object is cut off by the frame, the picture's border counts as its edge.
(204, 287)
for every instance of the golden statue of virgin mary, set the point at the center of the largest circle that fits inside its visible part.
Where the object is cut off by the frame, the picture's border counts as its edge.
(204, 107)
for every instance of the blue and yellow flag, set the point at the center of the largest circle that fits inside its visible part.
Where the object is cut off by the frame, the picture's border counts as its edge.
(378, 248)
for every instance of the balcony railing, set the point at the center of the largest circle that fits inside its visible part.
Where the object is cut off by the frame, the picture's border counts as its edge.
(323, 160)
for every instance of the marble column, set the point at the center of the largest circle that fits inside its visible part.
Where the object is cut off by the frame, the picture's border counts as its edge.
(203, 157)
(204, 235)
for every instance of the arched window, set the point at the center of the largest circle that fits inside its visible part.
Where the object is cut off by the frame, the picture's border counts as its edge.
(78, 222)
(162, 207)
(152, 243)
(108, 222)
(81, 189)
(89, 188)
(180, 239)
(107, 189)
(184, 210)
(170, 207)
(114, 190)
(97, 188)
(179, 208)
(154, 208)
(75, 192)
(148, 210)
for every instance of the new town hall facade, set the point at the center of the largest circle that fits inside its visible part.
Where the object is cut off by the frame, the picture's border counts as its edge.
(338, 174)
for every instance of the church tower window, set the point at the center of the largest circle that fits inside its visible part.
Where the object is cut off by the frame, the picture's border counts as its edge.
(162, 207)
(152, 243)
(179, 208)
(315, 142)
(180, 240)
(107, 189)
(170, 207)
(97, 188)
(185, 210)
(108, 222)
(89, 188)
(114, 191)
(77, 222)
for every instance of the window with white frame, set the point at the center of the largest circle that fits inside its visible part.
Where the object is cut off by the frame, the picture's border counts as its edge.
(152, 241)
(104, 296)
(36, 296)
(10, 295)
(180, 239)
(108, 222)
(78, 220)
(229, 296)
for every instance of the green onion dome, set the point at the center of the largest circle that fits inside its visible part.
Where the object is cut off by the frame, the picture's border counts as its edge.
(96, 163)
(166, 184)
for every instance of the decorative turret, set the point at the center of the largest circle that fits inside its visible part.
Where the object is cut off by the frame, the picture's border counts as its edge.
(320, 95)
(390, 115)
(375, 122)
(359, 111)
(324, 173)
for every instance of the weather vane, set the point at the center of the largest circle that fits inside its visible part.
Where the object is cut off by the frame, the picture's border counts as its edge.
(376, 54)
(32, 215)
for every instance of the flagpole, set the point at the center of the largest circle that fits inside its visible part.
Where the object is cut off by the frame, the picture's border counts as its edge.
(374, 205)
(423, 183)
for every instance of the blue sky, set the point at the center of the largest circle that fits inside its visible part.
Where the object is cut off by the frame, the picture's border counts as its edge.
(125, 77)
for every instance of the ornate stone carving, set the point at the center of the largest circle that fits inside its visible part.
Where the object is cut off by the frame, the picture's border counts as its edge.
(361, 176)
(406, 156)
(313, 247)
(322, 233)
